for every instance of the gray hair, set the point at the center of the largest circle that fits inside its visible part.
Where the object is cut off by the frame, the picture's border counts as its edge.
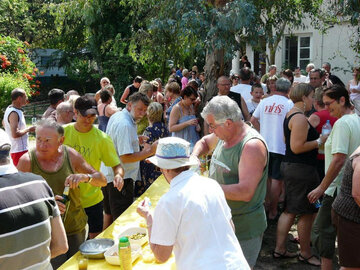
(272, 67)
(222, 108)
(64, 106)
(50, 123)
(283, 85)
(310, 65)
(146, 87)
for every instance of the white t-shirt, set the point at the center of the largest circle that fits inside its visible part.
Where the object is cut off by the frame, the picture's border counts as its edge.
(123, 131)
(19, 144)
(271, 113)
(251, 105)
(301, 79)
(242, 89)
(194, 217)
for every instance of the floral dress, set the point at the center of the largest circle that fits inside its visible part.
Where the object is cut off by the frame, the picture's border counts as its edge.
(149, 172)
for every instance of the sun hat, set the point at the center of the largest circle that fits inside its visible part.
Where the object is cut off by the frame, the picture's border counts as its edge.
(4, 138)
(86, 105)
(172, 153)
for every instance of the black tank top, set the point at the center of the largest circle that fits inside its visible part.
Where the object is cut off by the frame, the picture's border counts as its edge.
(132, 89)
(306, 157)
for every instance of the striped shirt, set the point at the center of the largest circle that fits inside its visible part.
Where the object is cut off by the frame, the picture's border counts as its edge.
(27, 204)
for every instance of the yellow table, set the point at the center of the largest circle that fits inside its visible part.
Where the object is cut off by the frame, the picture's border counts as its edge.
(156, 190)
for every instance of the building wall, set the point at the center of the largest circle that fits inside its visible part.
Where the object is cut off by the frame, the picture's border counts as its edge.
(47, 60)
(333, 47)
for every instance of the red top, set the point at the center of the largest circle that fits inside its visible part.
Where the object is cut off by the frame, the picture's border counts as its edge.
(324, 115)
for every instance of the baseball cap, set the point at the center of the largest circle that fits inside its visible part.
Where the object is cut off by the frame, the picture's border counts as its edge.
(86, 105)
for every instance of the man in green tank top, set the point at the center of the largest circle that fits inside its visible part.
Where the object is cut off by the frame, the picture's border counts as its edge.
(62, 166)
(240, 164)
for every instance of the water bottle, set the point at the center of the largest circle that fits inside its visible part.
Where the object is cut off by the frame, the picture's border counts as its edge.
(317, 204)
(125, 253)
(326, 128)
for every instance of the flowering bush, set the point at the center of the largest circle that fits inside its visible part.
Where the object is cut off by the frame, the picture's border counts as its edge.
(16, 70)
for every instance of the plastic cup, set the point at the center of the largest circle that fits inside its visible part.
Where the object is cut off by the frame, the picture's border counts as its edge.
(82, 262)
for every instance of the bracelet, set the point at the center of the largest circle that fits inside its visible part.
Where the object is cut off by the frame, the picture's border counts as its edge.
(90, 178)
(319, 142)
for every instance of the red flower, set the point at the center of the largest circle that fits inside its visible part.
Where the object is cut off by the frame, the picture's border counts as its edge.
(3, 57)
(38, 86)
(26, 43)
(8, 63)
(38, 82)
(23, 59)
(20, 50)
(33, 86)
(37, 92)
(42, 72)
(29, 78)
(3, 65)
(36, 69)
(16, 70)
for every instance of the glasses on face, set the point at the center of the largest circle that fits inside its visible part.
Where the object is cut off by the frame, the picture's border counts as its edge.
(329, 102)
(214, 126)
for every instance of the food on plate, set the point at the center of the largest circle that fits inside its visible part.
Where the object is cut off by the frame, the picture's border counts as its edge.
(137, 236)
(142, 224)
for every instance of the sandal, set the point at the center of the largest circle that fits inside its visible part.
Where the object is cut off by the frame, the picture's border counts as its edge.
(285, 255)
(306, 260)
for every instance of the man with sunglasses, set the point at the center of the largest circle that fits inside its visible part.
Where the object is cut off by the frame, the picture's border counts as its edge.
(96, 147)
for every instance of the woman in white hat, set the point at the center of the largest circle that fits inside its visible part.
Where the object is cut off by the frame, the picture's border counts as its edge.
(193, 217)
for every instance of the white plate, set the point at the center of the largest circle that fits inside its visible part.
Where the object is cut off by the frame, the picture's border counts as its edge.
(130, 231)
(135, 253)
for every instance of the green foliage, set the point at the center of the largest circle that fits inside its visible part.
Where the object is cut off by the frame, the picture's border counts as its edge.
(16, 69)
(9, 82)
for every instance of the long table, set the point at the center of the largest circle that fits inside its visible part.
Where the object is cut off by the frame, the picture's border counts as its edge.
(130, 216)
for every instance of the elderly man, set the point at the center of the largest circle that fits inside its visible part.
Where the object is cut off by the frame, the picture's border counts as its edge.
(15, 125)
(272, 72)
(96, 147)
(308, 68)
(31, 229)
(64, 113)
(333, 78)
(268, 119)
(223, 84)
(128, 149)
(240, 164)
(192, 217)
(58, 165)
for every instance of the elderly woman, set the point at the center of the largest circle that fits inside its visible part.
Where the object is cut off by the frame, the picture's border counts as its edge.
(184, 79)
(300, 175)
(183, 122)
(271, 85)
(343, 140)
(154, 131)
(347, 214)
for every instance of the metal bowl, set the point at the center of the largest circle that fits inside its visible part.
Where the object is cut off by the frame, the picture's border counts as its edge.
(95, 248)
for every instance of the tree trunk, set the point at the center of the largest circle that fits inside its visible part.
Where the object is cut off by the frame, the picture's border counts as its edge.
(214, 68)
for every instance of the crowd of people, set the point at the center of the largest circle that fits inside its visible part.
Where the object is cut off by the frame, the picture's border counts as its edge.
(269, 157)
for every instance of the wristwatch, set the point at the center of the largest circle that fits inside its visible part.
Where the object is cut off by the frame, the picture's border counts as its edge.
(89, 178)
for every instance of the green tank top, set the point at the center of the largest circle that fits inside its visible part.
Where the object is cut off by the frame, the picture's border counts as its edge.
(76, 218)
(249, 217)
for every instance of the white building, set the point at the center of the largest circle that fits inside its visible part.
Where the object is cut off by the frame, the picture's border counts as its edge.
(47, 60)
(308, 45)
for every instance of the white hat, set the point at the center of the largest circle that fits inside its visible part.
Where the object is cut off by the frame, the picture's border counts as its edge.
(4, 138)
(172, 153)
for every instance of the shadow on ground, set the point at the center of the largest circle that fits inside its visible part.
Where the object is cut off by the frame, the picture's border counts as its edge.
(267, 262)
